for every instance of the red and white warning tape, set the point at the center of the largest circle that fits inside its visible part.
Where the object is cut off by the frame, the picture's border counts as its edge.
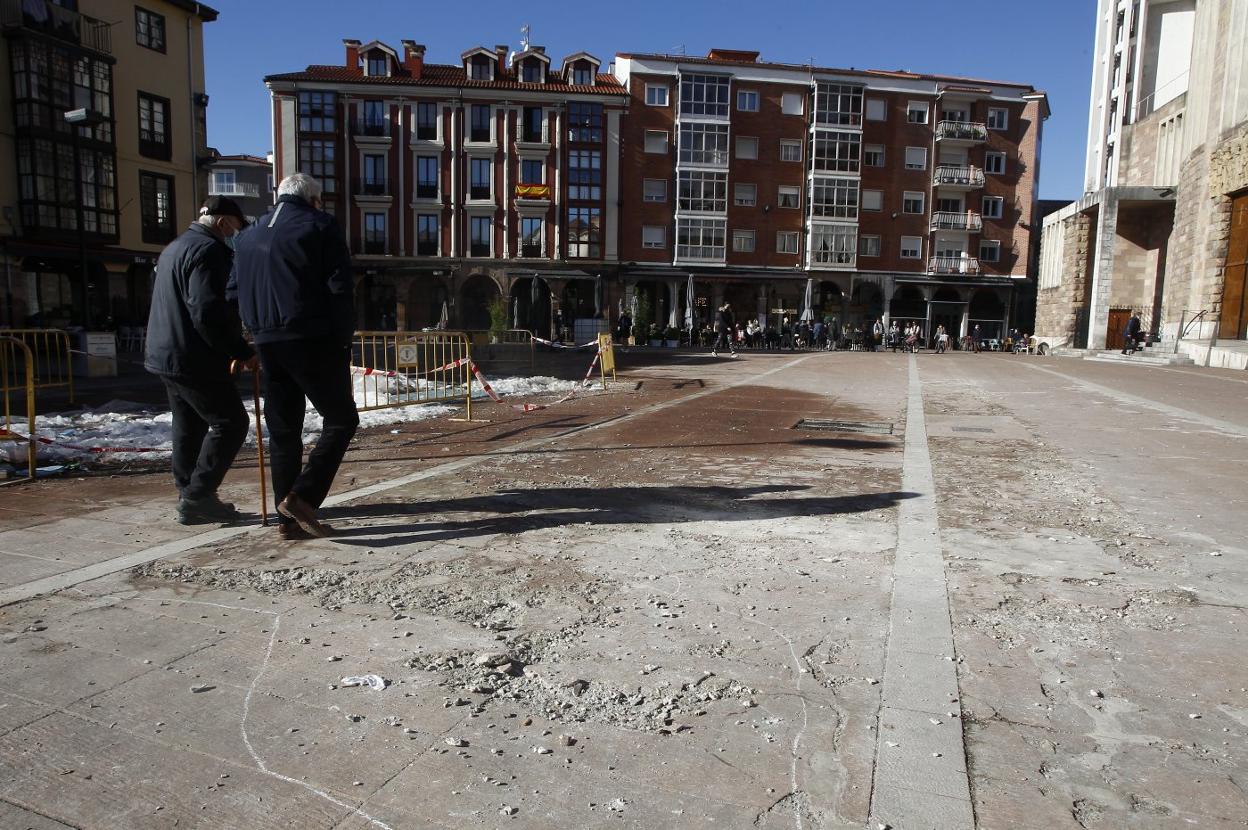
(367, 371)
(18, 437)
(555, 345)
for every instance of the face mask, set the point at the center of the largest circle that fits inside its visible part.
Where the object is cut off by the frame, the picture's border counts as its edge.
(232, 242)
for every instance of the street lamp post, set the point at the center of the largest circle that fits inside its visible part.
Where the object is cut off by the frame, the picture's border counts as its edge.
(76, 119)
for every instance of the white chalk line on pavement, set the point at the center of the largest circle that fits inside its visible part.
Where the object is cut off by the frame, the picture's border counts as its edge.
(59, 582)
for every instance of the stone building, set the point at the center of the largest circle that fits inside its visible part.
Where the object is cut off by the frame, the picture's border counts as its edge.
(1162, 229)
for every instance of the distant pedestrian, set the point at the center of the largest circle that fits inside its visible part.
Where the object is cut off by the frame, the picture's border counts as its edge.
(942, 339)
(725, 331)
(1131, 334)
(193, 333)
(292, 277)
(623, 329)
(877, 334)
(977, 339)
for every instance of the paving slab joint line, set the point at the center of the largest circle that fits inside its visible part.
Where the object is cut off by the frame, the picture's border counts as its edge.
(891, 784)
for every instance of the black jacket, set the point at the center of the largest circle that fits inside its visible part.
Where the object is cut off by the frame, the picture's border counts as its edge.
(192, 331)
(292, 276)
(1132, 331)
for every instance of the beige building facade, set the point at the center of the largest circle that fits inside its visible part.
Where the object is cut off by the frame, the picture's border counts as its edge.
(138, 72)
(1162, 230)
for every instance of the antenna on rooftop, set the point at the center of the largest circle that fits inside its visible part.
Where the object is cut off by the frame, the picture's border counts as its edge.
(524, 37)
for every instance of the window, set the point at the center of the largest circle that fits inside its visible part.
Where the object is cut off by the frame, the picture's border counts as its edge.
(656, 141)
(994, 163)
(704, 95)
(428, 234)
(149, 29)
(223, 183)
(374, 175)
(427, 122)
(747, 147)
(912, 202)
(989, 250)
(481, 68)
(836, 152)
(316, 158)
(48, 80)
(156, 208)
(584, 232)
(744, 195)
(374, 121)
(954, 115)
(48, 193)
(949, 205)
(481, 121)
(747, 100)
(427, 177)
(654, 190)
(834, 244)
(916, 158)
(481, 240)
(582, 74)
(154, 127)
(790, 150)
(585, 122)
(873, 200)
(702, 190)
(653, 236)
(873, 155)
(704, 143)
(994, 207)
(912, 247)
(835, 198)
(481, 179)
(792, 103)
(531, 235)
(585, 175)
(877, 109)
(316, 112)
(868, 246)
(838, 105)
(998, 118)
(789, 197)
(743, 241)
(531, 71)
(374, 233)
(916, 112)
(532, 171)
(378, 64)
(656, 95)
(700, 239)
(532, 128)
(786, 242)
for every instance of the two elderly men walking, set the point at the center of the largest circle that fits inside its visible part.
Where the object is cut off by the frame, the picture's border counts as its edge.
(288, 280)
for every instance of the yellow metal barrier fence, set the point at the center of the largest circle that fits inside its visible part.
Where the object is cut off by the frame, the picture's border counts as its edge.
(51, 351)
(9, 350)
(391, 369)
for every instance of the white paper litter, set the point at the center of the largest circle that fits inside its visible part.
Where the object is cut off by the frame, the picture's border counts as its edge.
(373, 681)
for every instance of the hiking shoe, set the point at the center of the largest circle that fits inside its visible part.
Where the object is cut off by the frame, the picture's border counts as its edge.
(714, 354)
(293, 507)
(208, 510)
(292, 532)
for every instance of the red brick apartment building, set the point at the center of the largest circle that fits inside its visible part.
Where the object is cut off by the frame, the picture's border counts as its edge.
(457, 184)
(900, 195)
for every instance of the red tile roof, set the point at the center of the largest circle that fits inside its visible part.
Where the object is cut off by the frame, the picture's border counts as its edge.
(446, 75)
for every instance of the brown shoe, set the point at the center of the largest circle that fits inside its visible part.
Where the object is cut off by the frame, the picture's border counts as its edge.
(293, 507)
(291, 532)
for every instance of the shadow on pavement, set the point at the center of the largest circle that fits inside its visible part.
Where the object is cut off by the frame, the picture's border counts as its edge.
(516, 511)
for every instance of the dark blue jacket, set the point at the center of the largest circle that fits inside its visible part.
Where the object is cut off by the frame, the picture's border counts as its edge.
(292, 276)
(192, 331)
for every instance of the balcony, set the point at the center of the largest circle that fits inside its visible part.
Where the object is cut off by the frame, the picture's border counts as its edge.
(235, 190)
(961, 132)
(374, 247)
(372, 187)
(532, 191)
(958, 177)
(57, 21)
(968, 221)
(372, 130)
(953, 265)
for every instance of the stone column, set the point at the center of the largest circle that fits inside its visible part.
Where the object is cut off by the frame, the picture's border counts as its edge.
(673, 315)
(1102, 271)
(762, 306)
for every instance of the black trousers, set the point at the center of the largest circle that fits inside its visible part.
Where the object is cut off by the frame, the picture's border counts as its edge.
(209, 426)
(724, 338)
(297, 371)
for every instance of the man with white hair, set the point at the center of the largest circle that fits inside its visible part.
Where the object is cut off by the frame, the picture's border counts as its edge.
(292, 279)
(193, 334)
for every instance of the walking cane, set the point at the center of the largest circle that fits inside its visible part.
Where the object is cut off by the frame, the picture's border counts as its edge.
(255, 397)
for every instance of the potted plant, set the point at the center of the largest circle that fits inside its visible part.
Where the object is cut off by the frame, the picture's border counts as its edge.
(641, 321)
(655, 337)
(671, 337)
(498, 319)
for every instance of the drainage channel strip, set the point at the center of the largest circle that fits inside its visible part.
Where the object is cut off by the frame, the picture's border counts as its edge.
(845, 426)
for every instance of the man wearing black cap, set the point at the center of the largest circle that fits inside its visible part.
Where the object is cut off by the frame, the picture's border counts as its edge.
(193, 334)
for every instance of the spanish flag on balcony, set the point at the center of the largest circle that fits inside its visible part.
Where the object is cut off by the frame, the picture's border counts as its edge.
(532, 191)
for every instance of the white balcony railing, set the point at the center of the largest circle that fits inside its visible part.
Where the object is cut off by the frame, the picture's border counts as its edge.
(944, 221)
(953, 265)
(959, 175)
(961, 131)
(237, 190)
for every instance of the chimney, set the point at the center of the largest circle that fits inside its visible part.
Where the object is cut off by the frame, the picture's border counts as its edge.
(414, 58)
(500, 53)
(353, 53)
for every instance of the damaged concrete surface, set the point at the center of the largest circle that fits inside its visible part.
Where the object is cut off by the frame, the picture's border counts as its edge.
(666, 607)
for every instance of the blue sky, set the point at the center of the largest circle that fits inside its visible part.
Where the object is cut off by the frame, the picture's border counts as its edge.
(1047, 44)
